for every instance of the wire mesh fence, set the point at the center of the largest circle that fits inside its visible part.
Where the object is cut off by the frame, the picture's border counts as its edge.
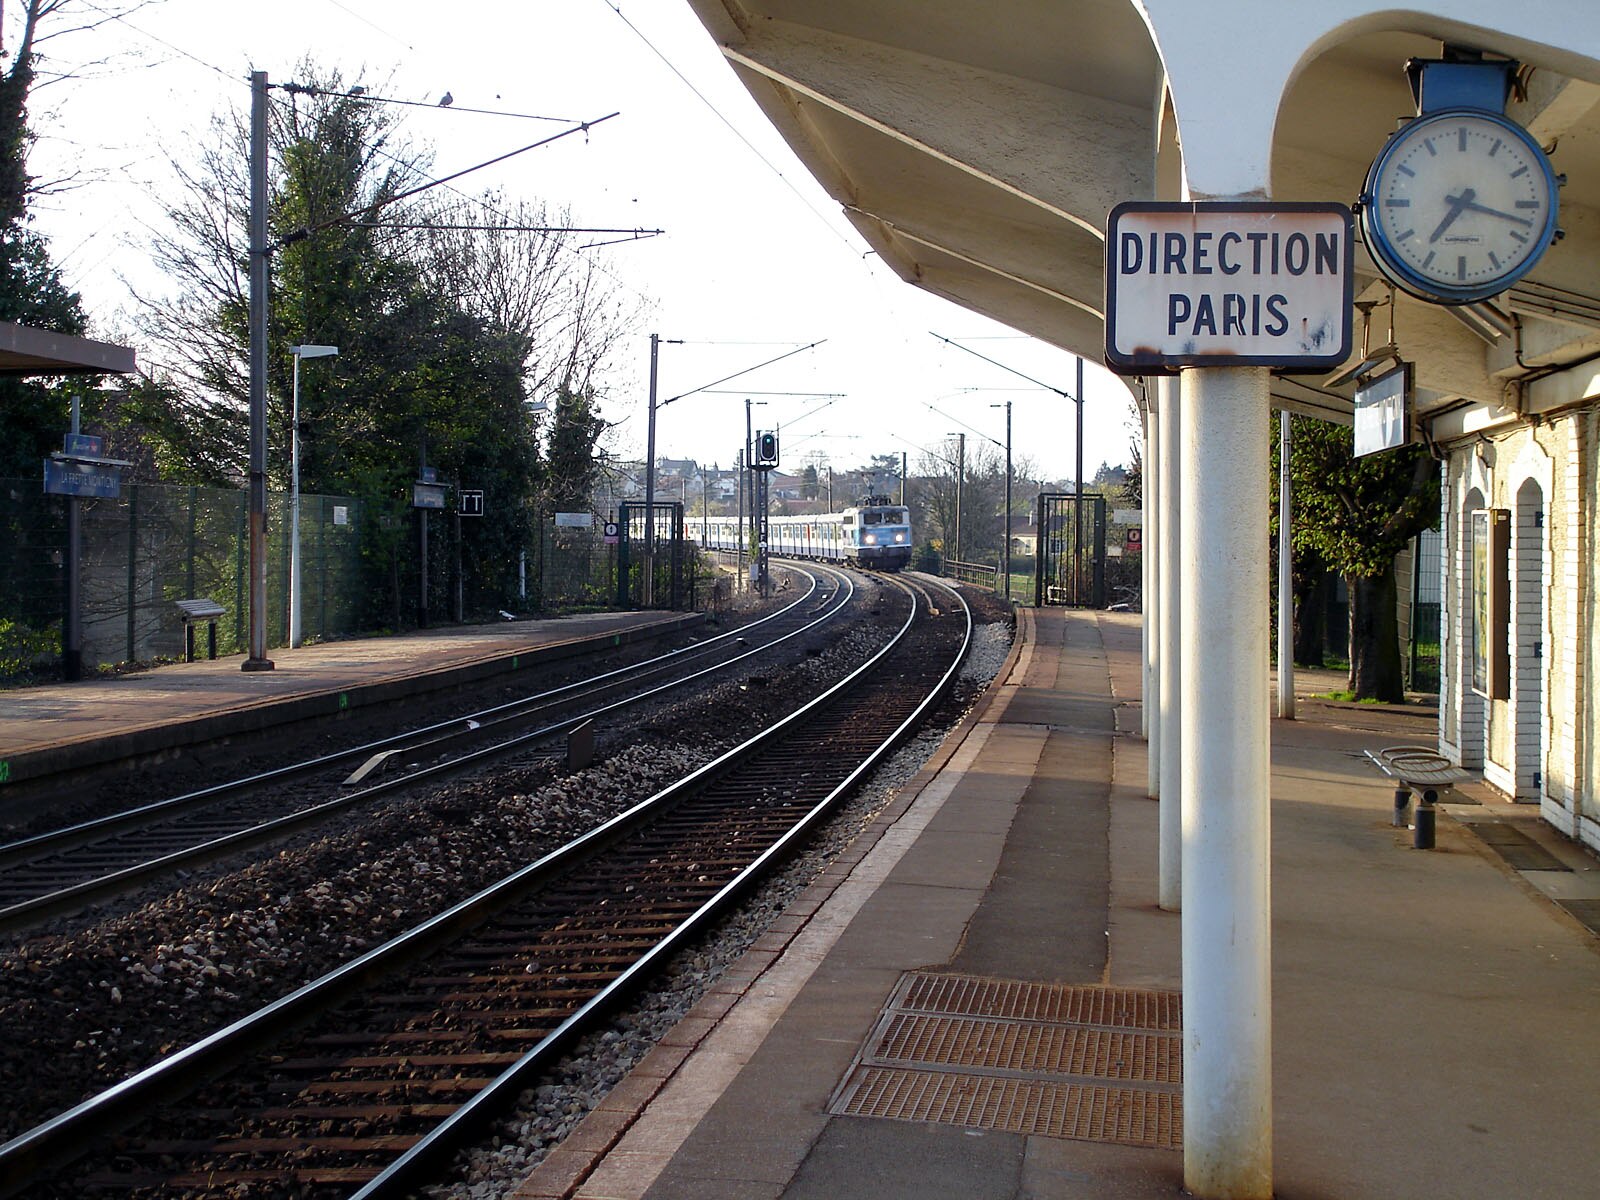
(153, 546)
(361, 571)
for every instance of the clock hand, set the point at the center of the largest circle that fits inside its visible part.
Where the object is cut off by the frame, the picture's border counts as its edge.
(1471, 206)
(1458, 205)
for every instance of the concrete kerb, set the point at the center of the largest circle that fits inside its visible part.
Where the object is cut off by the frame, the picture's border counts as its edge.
(269, 712)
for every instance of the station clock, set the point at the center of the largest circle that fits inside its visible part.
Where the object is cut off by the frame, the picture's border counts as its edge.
(1458, 205)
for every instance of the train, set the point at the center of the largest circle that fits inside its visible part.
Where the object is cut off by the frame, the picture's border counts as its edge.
(875, 534)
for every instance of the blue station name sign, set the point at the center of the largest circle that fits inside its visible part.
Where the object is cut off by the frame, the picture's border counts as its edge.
(1228, 285)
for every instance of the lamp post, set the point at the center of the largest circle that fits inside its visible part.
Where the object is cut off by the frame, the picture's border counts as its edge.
(961, 483)
(299, 352)
(1006, 553)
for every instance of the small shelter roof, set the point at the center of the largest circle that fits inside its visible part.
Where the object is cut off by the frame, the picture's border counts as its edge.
(25, 350)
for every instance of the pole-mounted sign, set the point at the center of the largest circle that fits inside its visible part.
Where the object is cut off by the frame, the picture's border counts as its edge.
(81, 469)
(1228, 285)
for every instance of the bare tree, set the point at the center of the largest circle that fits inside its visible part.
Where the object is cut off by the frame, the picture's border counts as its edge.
(517, 266)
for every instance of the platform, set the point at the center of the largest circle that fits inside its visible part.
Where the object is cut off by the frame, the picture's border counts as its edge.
(44, 730)
(988, 976)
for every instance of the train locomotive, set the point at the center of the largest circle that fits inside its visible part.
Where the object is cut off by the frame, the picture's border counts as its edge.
(875, 534)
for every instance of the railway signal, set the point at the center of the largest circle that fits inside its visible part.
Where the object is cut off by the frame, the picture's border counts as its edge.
(766, 450)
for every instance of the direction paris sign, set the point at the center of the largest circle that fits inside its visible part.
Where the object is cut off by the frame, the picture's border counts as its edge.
(1226, 284)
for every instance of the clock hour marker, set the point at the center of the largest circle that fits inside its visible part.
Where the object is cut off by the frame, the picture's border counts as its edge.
(1428, 262)
(1461, 139)
(1428, 142)
(1527, 204)
(1519, 171)
(1494, 259)
(1495, 149)
(1405, 170)
(1461, 267)
(1397, 204)
(1400, 237)
(1521, 237)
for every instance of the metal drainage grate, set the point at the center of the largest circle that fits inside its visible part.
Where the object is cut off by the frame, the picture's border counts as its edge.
(1091, 1063)
(1587, 911)
(1519, 850)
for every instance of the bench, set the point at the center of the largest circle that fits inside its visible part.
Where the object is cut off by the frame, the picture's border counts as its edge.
(1423, 772)
(192, 613)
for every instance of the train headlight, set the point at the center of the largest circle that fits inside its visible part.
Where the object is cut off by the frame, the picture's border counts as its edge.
(869, 539)
(899, 537)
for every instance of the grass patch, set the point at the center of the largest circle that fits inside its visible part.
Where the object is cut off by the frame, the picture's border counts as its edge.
(1345, 697)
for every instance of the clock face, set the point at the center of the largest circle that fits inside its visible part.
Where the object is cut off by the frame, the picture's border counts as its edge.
(1459, 205)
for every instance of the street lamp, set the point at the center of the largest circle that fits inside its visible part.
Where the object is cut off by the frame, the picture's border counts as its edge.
(299, 352)
(1006, 556)
(961, 483)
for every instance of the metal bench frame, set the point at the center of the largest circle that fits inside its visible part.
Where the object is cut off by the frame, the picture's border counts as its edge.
(192, 613)
(1419, 771)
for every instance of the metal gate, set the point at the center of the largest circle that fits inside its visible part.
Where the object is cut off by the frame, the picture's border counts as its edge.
(639, 586)
(1071, 563)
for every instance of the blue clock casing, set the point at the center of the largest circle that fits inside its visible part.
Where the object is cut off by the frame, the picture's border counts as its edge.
(1459, 204)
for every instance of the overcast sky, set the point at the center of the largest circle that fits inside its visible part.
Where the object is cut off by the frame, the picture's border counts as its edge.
(756, 259)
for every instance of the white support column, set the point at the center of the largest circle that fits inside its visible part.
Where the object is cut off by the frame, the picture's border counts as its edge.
(1165, 466)
(1150, 600)
(1227, 965)
(1285, 575)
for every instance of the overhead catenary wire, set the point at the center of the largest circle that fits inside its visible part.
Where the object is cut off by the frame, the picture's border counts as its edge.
(721, 116)
(745, 371)
(365, 97)
(346, 217)
(122, 19)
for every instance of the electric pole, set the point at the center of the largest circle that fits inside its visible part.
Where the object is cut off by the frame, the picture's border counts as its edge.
(258, 660)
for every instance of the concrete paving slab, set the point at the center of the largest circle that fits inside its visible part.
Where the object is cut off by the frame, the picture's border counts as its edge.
(858, 1157)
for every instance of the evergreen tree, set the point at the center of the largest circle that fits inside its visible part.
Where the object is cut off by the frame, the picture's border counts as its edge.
(1357, 514)
(33, 411)
(572, 453)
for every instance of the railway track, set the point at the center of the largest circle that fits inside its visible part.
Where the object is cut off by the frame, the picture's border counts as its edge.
(62, 871)
(368, 1081)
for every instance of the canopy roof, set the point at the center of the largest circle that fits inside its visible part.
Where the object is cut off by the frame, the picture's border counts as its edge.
(979, 148)
(28, 351)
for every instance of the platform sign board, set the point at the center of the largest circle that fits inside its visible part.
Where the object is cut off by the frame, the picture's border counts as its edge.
(427, 495)
(79, 445)
(574, 520)
(63, 477)
(1228, 285)
(612, 533)
(1380, 412)
(469, 502)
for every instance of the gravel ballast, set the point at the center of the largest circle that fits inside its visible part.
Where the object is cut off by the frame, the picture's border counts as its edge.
(545, 1115)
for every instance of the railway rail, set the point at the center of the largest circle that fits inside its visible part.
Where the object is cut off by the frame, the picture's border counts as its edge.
(367, 1081)
(64, 870)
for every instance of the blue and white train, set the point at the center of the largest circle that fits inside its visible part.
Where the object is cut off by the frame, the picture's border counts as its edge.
(875, 534)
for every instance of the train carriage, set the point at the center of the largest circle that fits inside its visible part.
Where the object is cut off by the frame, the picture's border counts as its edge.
(875, 534)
